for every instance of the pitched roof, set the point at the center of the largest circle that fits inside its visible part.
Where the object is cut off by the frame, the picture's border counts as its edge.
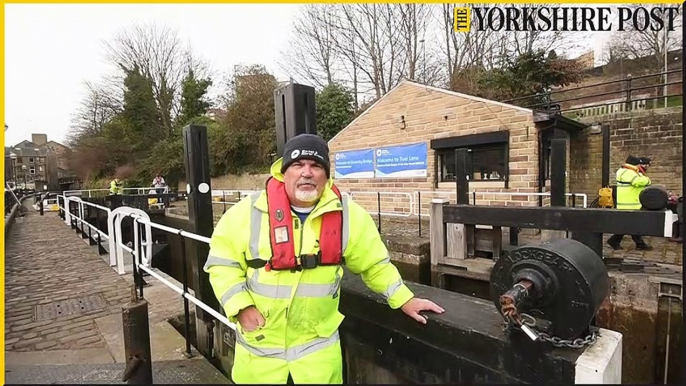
(435, 89)
(26, 143)
(25, 151)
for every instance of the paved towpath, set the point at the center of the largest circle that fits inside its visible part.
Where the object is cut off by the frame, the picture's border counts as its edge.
(56, 286)
(63, 306)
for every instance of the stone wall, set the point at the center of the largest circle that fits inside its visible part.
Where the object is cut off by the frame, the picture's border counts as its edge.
(657, 134)
(432, 113)
(235, 182)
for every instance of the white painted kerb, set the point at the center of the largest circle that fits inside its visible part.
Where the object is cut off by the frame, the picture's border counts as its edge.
(601, 363)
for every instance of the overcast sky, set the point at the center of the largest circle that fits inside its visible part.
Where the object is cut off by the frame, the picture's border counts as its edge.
(52, 49)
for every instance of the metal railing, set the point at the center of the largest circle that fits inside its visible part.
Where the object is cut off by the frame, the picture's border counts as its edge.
(410, 202)
(140, 252)
(12, 199)
(625, 87)
(141, 263)
(90, 193)
(573, 196)
(76, 219)
(231, 192)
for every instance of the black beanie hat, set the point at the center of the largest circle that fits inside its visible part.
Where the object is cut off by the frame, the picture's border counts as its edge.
(306, 146)
(644, 160)
(631, 160)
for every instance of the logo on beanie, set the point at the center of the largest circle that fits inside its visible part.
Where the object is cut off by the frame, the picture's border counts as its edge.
(295, 154)
(311, 153)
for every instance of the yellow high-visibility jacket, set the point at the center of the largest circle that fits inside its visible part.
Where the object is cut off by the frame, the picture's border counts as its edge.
(630, 184)
(300, 335)
(116, 188)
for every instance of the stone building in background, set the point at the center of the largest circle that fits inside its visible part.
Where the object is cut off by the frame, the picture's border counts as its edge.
(37, 163)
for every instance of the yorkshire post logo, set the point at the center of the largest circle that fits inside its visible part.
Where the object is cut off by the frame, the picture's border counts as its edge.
(572, 19)
(462, 20)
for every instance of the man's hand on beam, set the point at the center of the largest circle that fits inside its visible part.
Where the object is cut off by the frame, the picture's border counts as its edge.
(415, 305)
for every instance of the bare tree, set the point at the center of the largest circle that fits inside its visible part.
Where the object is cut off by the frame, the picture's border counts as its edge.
(311, 53)
(414, 22)
(466, 54)
(633, 44)
(160, 56)
(102, 102)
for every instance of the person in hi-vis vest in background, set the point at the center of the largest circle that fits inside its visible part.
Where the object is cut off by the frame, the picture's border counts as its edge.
(275, 264)
(631, 180)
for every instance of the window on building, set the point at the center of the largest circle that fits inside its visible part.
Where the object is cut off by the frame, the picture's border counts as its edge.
(487, 158)
(30, 160)
(32, 170)
(484, 163)
(40, 169)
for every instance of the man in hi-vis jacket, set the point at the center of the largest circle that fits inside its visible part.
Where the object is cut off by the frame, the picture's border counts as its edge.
(275, 265)
(631, 180)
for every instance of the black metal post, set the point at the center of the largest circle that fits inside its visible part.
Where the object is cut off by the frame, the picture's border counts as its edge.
(101, 249)
(139, 251)
(628, 92)
(473, 198)
(186, 312)
(197, 164)
(378, 209)
(573, 200)
(85, 223)
(462, 191)
(514, 236)
(136, 276)
(461, 181)
(91, 239)
(606, 155)
(40, 204)
(223, 202)
(419, 211)
(558, 169)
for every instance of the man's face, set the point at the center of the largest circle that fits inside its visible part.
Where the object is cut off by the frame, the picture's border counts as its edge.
(645, 166)
(305, 181)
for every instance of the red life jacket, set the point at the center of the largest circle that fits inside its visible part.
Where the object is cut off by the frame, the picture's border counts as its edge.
(281, 233)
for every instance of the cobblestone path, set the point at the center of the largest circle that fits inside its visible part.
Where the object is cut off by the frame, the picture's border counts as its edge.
(55, 287)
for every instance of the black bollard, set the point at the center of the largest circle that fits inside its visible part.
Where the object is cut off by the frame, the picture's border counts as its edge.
(137, 342)
(40, 204)
(196, 161)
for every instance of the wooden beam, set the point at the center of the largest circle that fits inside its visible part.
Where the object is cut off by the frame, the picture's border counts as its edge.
(646, 223)
(438, 231)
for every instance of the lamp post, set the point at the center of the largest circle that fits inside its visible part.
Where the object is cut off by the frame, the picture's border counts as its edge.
(23, 168)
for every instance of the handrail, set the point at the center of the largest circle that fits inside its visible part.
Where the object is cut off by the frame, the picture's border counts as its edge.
(593, 85)
(173, 230)
(409, 195)
(544, 194)
(137, 253)
(418, 194)
(115, 220)
(138, 190)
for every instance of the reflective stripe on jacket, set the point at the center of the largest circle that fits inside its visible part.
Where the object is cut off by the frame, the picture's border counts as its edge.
(630, 184)
(301, 307)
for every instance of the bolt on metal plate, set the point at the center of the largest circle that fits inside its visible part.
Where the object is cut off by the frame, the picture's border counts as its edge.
(68, 307)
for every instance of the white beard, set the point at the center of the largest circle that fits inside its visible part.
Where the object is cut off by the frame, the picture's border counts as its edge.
(306, 196)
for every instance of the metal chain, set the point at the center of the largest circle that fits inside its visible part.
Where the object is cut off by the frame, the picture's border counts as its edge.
(554, 340)
(576, 343)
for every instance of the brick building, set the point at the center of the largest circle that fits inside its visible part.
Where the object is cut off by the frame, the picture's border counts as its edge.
(422, 125)
(36, 163)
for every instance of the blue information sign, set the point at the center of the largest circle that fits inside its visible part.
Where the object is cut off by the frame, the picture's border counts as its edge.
(401, 161)
(354, 164)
